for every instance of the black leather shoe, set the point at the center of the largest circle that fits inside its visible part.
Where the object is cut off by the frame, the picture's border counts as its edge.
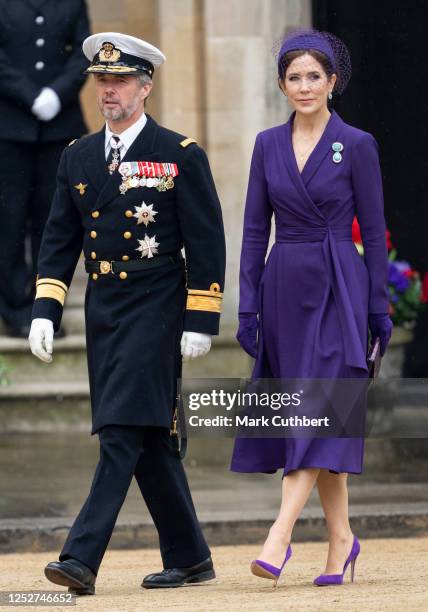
(177, 576)
(72, 573)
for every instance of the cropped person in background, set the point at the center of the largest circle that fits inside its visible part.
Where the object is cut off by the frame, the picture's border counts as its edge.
(41, 64)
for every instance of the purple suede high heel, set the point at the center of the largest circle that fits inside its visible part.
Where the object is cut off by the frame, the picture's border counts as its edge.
(329, 579)
(262, 569)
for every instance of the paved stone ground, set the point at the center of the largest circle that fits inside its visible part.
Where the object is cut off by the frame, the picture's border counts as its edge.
(390, 575)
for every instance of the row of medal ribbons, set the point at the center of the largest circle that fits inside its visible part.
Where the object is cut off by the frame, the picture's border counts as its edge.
(148, 169)
(147, 174)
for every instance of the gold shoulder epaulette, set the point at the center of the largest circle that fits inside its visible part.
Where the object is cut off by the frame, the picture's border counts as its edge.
(185, 143)
(72, 142)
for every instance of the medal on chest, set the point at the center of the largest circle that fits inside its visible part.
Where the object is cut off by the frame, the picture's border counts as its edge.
(115, 145)
(148, 246)
(145, 214)
(114, 162)
(158, 175)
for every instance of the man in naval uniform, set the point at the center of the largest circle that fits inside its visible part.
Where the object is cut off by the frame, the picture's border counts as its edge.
(131, 196)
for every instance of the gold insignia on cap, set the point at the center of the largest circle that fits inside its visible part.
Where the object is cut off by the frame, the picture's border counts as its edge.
(81, 188)
(108, 53)
(185, 143)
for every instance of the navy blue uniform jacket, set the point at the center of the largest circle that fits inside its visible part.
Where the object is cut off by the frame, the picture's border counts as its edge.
(134, 324)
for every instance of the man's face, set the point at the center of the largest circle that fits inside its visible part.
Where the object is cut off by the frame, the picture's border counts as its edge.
(119, 97)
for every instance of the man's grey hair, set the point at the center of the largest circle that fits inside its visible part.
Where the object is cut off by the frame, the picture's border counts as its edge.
(144, 79)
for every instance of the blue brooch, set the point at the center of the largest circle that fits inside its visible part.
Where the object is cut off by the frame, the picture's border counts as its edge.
(337, 148)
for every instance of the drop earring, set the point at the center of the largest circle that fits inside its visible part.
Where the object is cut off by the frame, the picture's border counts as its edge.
(330, 95)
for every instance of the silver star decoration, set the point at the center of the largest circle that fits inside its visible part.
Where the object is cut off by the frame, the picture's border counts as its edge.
(148, 246)
(145, 213)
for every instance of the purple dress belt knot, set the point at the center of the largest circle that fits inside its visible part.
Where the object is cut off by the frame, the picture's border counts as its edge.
(354, 352)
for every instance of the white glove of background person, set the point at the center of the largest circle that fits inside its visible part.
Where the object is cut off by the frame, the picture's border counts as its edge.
(47, 104)
(41, 339)
(194, 344)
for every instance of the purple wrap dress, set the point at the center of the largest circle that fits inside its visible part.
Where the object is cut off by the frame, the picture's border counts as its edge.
(314, 292)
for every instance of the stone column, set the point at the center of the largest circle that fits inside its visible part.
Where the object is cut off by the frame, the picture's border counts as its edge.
(182, 39)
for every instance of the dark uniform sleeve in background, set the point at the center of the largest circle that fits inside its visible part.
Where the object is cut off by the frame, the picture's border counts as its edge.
(41, 46)
(68, 84)
(59, 252)
(15, 84)
(201, 225)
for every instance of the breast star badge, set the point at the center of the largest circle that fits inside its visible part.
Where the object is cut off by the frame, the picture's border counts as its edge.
(145, 214)
(148, 247)
(80, 188)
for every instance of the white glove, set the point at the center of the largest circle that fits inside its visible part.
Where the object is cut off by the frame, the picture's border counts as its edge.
(41, 339)
(47, 104)
(194, 344)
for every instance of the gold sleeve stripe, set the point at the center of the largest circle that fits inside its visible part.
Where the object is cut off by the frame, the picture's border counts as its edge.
(185, 143)
(51, 281)
(203, 302)
(51, 291)
(214, 294)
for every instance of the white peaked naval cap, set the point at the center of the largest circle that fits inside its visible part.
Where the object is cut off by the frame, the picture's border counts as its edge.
(115, 53)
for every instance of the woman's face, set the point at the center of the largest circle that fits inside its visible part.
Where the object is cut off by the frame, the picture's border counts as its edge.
(306, 84)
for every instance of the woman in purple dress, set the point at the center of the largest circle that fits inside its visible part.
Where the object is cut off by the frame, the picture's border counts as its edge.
(305, 313)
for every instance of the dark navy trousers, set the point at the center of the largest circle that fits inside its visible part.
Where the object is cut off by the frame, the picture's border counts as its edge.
(146, 453)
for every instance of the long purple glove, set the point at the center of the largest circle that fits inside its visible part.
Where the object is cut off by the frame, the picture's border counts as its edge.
(247, 332)
(381, 325)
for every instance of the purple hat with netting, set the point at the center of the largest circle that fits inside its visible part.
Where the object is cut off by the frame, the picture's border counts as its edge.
(329, 44)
